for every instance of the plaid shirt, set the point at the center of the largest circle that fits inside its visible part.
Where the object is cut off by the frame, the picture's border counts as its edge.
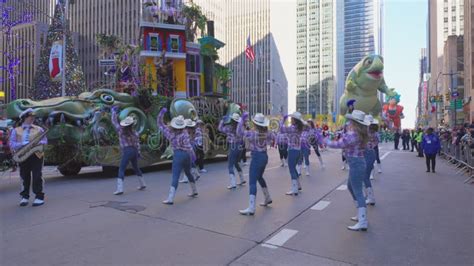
(127, 137)
(179, 140)
(350, 144)
(282, 138)
(305, 138)
(257, 141)
(373, 140)
(294, 136)
(232, 137)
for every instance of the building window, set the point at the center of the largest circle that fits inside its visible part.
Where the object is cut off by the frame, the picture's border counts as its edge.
(193, 87)
(174, 44)
(192, 63)
(154, 42)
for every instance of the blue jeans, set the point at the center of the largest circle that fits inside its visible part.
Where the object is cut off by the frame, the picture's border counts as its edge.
(181, 161)
(235, 153)
(369, 160)
(257, 167)
(357, 167)
(293, 157)
(305, 152)
(129, 154)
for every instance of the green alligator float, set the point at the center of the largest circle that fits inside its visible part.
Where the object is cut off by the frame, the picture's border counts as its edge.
(81, 132)
(362, 85)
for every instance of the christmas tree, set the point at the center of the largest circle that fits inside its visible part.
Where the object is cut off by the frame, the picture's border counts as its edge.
(48, 79)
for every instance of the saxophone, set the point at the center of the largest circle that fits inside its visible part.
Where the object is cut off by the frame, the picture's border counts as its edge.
(32, 147)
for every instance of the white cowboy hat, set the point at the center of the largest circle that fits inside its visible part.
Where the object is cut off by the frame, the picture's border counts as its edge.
(235, 117)
(297, 115)
(129, 120)
(189, 123)
(358, 116)
(27, 112)
(375, 122)
(178, 122)
(199, 121)
(260, 120)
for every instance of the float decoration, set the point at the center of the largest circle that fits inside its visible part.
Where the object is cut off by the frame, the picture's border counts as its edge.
(393, 112)
(46, 83)
(362, 85)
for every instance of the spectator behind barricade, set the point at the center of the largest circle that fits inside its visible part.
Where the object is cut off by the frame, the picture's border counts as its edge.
(468, 138)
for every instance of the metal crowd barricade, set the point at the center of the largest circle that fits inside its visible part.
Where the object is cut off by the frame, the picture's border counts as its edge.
(461, 156)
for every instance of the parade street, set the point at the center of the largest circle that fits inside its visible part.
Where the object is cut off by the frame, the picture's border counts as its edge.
(419, 219)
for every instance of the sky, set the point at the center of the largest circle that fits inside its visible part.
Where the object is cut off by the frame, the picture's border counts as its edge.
(405, 35)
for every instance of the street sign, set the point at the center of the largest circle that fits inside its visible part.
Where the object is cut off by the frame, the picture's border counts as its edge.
(106, 62)
(454, 94)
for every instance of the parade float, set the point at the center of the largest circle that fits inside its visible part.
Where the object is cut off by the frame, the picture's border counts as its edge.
(167, 69)
(363, 83)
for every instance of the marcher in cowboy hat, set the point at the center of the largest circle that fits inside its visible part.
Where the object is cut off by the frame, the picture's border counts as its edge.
(298, 116)
(199, 121)
(235, 117)
(190, 123)
(26, 113)
(129, 120)
(260, 120)
(358, 116)
(371, 120)
(178, 122)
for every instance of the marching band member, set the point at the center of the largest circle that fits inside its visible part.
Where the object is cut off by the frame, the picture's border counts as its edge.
(130, 146)
(294, 147)
(183, 153)
(258, 140)
(354, 143)
(235, 148)
(31, 168)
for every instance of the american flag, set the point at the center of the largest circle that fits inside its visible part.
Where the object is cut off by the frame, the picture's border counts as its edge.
(249, 51)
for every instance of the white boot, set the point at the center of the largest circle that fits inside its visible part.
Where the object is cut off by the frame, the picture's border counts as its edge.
(195, 173)
(232, 182)
(183, 179)
(251, 209)
(343, 166)
(282, 163)
(298, 169)
(268, 199)
(372, 176)
(294, 188)
(370, 196)
(242, 180)
(171, 195)
(286, 162)
(194, 192)
(307, 171)
(119, 190)
(379, 166)
(142, 185)
(321, 162)
(362, 224)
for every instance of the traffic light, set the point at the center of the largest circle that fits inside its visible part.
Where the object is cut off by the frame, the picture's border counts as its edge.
(448, 96)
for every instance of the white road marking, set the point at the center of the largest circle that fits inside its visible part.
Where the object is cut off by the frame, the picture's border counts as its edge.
(269, 246)
(281, 238)
(320, 205)
(342, 187)
(385, 155)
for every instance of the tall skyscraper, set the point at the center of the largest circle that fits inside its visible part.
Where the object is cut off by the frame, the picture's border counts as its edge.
(316, 56)
(111, 17)
(469, 59)
(260, 85)
(25, 43)
(422, 112)
(445, 18)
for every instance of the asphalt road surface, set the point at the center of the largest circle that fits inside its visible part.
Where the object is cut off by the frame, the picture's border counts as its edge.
(419, 219)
